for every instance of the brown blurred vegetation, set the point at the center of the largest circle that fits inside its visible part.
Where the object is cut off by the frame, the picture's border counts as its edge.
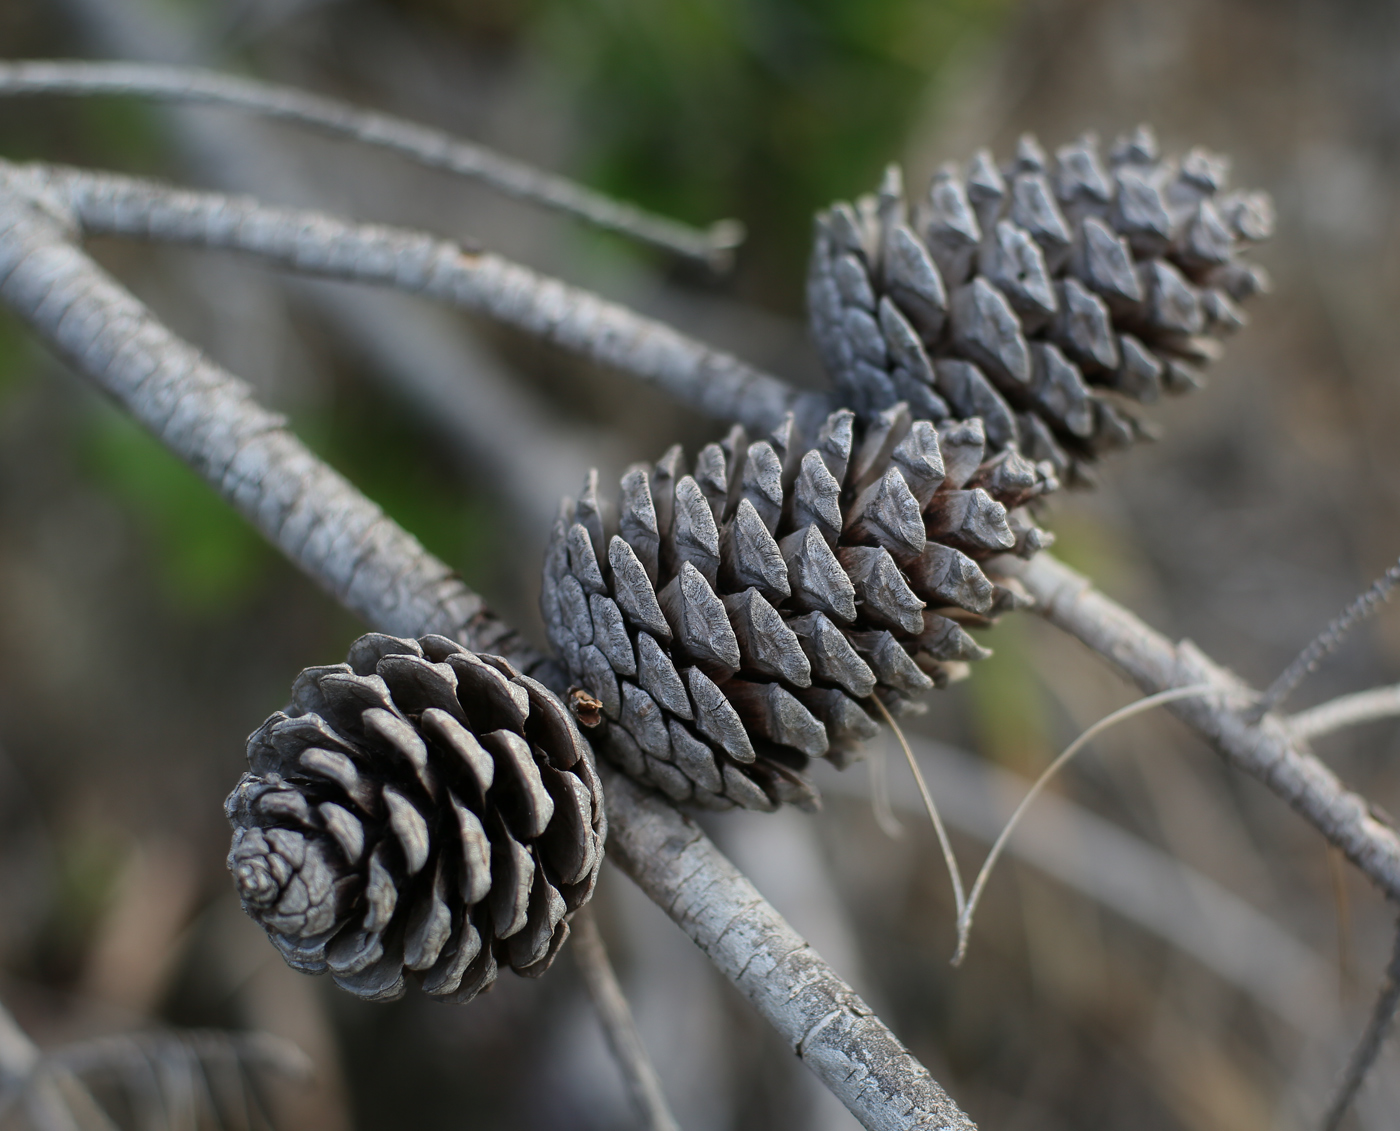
(144, 631)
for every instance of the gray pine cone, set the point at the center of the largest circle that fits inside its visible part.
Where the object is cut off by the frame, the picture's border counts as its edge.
(1042, 296)
(733, 623)
(418, 809)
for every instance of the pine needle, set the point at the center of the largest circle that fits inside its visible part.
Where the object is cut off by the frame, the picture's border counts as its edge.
(959, 898)
(967, 910)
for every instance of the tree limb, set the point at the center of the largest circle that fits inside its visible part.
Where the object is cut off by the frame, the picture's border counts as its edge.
(376, 569)
(1266, 749)
(1345, 711)
(828, 1026)
(426, 146)
(314, 243)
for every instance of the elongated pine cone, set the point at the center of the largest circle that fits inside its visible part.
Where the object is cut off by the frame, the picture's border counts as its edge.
(418, 809)
(1042, 296)
(735, 622)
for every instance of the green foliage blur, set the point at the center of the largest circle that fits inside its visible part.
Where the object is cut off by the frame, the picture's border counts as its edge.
(761, 109)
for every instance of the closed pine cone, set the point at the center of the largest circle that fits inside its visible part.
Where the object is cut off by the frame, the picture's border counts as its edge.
(735, 622)
(1041, 296)
(421, 809)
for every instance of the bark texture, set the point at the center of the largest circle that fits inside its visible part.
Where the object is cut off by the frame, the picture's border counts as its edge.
(830, 1029)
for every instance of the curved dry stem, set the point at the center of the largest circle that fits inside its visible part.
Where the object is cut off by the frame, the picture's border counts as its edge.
(950, 860)
(1346, 711)
(432, 148)
(1265, 748)
(968, 910)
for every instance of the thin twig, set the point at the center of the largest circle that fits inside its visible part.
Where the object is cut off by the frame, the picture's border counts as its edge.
(427, 146)
(48, 1092)
(1265, 748)
(969, 909)
(314, 243)
(638, 1073)
(379, 571)
(1346, 711)
(950, 860)
(1377, 1029)
(1329, 640)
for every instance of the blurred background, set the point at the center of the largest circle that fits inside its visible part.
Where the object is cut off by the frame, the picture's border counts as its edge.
(1172, 949)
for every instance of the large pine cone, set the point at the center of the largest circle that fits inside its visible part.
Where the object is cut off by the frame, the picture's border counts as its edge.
(421, 808)
(734, 623)
(1040, 296)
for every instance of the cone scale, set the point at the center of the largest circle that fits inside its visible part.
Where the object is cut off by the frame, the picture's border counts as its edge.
(734, 617)
(420, 811)
(1048, 296)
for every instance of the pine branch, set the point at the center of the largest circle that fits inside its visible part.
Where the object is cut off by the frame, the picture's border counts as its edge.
(432, 148)
(376, 569)
(822, 1019)
(314, 243)
(211, 420)
(1266, 749)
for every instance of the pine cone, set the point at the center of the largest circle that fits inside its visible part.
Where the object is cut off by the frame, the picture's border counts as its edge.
(421, 808)
(734, 623)
(1037, 297)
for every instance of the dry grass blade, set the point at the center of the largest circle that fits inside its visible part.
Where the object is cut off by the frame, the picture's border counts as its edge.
(1118, 716)
(419, 143)
(1329, 640)
(949, 859)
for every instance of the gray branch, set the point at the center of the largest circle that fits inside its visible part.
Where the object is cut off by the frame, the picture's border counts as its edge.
(211, 420)
(376, 569)
(822, 1019)
(1267, 749)
(426, 146)
(314, 243)
(643, 1085)
(1372, 1040)
(1346, 711)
